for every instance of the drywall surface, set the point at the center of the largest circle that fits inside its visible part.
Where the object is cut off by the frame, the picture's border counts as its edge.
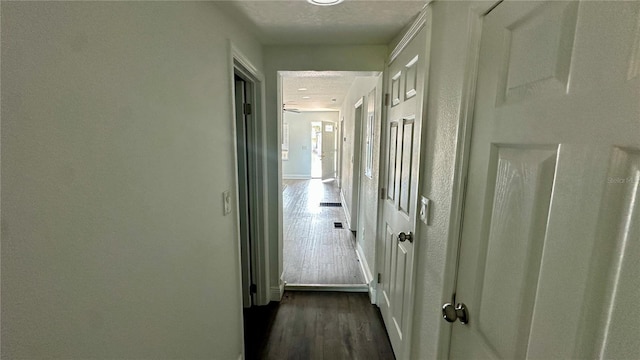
(436, 249)
(369, 184)
(298, 166)
(116, 147)
(300, 58)
(352, 138)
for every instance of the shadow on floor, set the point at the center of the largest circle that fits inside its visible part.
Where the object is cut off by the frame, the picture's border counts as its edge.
(316, 325)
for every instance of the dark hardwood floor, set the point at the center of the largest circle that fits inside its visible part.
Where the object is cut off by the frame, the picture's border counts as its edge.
(317, 325)
(314, 252)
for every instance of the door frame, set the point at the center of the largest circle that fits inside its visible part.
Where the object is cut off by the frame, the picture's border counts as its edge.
(243, 89)
(356, 165)
(421, 21)
(259, 260)
(476, 15)
(334, 149)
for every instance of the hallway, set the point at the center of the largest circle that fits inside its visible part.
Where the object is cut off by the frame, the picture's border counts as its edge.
(316, 325)
(315, 252)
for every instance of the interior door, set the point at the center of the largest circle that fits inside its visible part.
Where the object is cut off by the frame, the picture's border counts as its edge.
(403, 134)
(548, 265)
(328, 150)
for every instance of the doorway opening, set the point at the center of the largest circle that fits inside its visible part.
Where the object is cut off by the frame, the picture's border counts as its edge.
(316, 150)
(318, 156)
(250, 185)
(243, 99)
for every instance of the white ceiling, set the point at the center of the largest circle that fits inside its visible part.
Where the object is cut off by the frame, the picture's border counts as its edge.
(296, 22)
(322, 87)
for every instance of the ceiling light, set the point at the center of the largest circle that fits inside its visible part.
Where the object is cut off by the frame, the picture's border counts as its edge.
(306, 97)
(325, 2)
(302, 89)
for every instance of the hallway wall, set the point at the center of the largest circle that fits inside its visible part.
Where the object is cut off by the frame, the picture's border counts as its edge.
(368, 210)
(359, 89)
(363, 218)
(114, 119)
(294, 58)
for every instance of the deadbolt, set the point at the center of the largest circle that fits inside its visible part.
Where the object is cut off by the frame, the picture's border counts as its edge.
(402, 237)
(452, 313)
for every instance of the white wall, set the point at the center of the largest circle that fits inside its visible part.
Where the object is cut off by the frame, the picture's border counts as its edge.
(116, 135)
(368, 209)
(350, 139)
(299, 164)
(293, 58)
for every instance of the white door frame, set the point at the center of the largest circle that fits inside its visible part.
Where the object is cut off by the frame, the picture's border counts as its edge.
(416, 29)
(356, 164)
(477, 13)
(332, 149)
(239, 63)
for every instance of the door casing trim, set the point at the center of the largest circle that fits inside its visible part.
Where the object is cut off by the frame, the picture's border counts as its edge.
(239, 63)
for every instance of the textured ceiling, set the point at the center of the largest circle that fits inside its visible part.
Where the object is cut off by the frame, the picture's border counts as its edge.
(321, 87)
(296, 22)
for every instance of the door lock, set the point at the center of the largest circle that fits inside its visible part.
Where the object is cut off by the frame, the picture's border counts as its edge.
(402, 237)
(452, 313)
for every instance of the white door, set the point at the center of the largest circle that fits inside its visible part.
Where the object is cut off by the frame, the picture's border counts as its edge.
(550, 249)
(402, 153)
(328, 150)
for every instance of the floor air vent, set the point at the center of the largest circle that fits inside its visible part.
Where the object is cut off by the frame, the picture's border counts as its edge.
(332, 204)
(337, 225)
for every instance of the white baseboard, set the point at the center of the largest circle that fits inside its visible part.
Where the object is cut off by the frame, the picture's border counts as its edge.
(345, 207)
(276, 293)
(373, 292)
(361, 288)
(296, 177)
(364, 266)
(371, 281)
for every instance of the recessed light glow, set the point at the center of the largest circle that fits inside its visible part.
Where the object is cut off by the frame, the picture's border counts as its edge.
(306, 97)
(302, 89)
(325, 2)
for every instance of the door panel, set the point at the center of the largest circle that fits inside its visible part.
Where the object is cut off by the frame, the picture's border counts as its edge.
(386, 275)
(392, 164)
(617, 248)
(403, 124)
(405, 164)
(548, 257)
(521, 179)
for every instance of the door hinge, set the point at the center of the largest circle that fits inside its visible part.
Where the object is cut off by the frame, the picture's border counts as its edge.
(382, 193)
(379, 278)
(253, 289)
(247, 109)
(387, 98)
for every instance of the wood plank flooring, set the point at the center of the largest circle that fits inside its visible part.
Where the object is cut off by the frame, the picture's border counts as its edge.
(317, 325)
(314, 251)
